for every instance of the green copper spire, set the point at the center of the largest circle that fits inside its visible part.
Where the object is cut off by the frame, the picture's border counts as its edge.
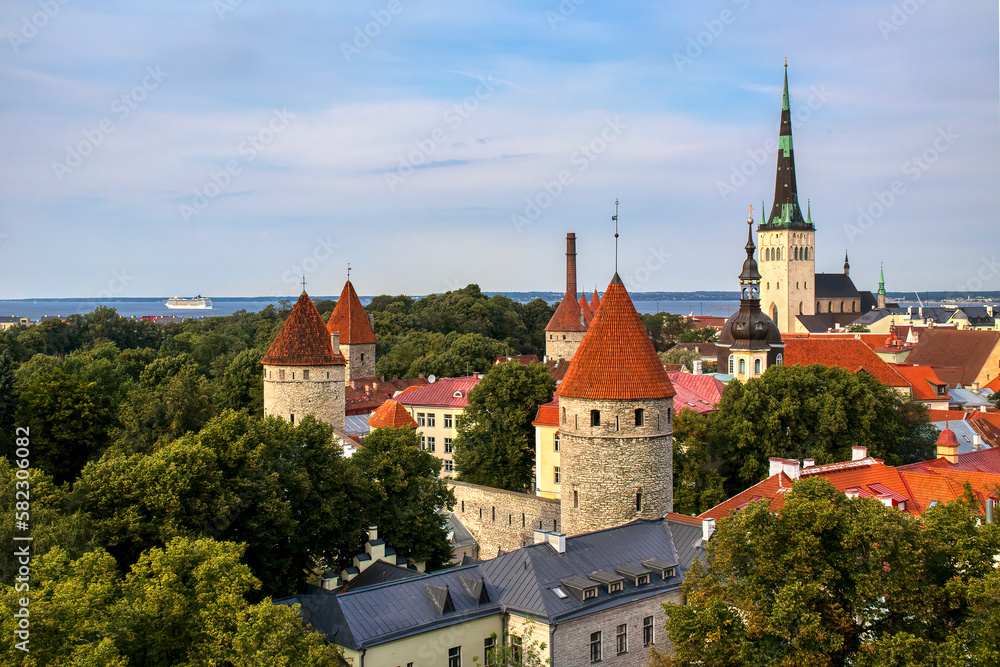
(881, 281)
(784, 98)
(809, 212)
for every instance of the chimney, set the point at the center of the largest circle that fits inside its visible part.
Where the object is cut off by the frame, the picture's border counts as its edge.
(808, 463)
(859, 452)
(982, 408)
(975, 387)
(977, 442)
(697, 367)
(372, 532)
(541, 536)
(774, 468)
(571, 264)
(335, 341)
(558, 541)
(989, 510)
(707, 529)
(791, 468)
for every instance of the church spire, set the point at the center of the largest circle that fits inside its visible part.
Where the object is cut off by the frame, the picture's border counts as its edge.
(847, 264)
(881, 287)
(750, 276)
(786, 212)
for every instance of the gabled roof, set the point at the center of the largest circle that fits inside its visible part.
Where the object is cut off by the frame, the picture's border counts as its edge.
(526, 577)
(993, 384)
(836, 286)
(350, 319)
(772, 490)
(952, 347)
(392, 415)
(616, 359)
(303, 339)
(924, 382)
(445, 393)
(548, 414)
(700, 393)
(568, 316)
(848, 353)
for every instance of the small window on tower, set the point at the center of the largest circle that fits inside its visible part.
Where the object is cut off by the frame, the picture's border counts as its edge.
(595, 417)
(362, 357)
(291, 418)
(305, 375)
(638, 417)
(281, 375)
(576, 499)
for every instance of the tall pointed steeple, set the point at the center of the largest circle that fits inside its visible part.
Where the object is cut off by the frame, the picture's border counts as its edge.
(881, 287)
(847, 264)
(785, 212)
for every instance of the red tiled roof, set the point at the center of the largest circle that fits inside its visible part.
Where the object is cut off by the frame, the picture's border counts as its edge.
(391, 414)
(952, 347)
(525, 359)
(303, 339)
(683, 518)
(365, 395)
(922, 379)
(848, 353)
(548, 414)
(616, 359)
(595, 302)
(993, 384)
(558, 368)
(568, 316)
(350, 319)
(771, 489)
(700, 393)
(441, 394)
(947, 415)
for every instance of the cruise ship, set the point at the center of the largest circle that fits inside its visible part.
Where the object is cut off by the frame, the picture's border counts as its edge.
(189, 303)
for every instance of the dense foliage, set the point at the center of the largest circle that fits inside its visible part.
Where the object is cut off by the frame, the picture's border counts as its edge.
(830, 580)
(495, 445)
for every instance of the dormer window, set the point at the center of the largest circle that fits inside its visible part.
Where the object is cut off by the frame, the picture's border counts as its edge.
(457, 394)
(642, 579)
(615, 587)
(590, 593)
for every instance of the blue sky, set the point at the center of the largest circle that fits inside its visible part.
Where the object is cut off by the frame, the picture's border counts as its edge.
(226, 147)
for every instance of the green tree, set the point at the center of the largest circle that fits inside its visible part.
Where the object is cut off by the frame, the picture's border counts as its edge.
(69, 420)
(694, 335)
(697, 486)
(677, 355)
(495, 445)
(8, 402)
(242, 385)
(817, 412)
(186, 604)
(410, 499)
(858, 328)
(831, 580)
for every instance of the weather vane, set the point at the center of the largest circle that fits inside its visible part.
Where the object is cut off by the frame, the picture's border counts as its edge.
(303, 282)
(348, 271)
(615, 218)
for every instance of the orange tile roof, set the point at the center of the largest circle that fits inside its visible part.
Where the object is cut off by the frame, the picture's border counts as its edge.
(392, 415)
(947, 415)
(848, 353)
(922, 379)
(993, 384)
(683, 518)
(772, 489)
(967, 349)
(350, 319)
(303, 339)
(595, 302)
(548, 414)
(616, 359)
(568, 316)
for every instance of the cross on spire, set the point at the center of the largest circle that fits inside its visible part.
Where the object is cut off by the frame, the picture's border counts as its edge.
(615, 218)
(303, 282)
(348, 271)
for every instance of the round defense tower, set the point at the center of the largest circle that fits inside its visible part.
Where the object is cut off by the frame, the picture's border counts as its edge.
(615, 424)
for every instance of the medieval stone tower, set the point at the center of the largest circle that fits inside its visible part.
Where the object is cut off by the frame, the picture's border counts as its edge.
(565, 330)
(615, 423)
(357, 335)
(302, 372)
(787, 240)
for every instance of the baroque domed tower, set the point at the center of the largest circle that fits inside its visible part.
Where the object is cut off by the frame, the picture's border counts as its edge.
(565, 330)
(357, 336)
(749, 341)
(303, 374)
(615, 423)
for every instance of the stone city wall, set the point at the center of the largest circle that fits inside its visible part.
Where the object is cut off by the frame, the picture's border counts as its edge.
(501, 519)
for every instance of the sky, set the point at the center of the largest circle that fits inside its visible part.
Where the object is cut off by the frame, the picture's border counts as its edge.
(228, 147)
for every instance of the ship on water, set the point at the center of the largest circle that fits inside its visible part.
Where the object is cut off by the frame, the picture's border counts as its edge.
(189, 303)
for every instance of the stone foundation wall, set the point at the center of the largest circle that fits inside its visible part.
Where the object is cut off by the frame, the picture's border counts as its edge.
(501, 519)
(287, 392)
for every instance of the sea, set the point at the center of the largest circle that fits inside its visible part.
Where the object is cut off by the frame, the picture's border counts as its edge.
(36, 309)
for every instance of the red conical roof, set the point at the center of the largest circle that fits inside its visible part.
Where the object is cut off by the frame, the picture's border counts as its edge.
(350, 319)
(303, 339)
(568, 316)
(616, 359)
(595, 303)
(588, 314)
(391, 414)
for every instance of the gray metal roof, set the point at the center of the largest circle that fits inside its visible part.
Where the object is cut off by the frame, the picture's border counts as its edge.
(687, 540)
(969, 398)
(357, 424)
(526, 577)
(835, 286)
(963, 433)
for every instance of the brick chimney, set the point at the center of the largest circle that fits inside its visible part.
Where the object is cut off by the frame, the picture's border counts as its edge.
(571, 264)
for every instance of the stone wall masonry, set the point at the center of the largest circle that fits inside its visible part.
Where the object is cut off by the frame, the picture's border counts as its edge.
(322, 395)
(501, 519)
(570, 643)
(360, 360)
(604, 467)
(562, 344)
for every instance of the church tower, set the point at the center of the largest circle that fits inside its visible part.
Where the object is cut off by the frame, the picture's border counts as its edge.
(881, 288)
(303, 374)
(565, 330)
(615, 423)
(749, 341)
(357, 335)
(787, 240)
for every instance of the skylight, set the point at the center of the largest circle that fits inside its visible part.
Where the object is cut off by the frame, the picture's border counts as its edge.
(560, 593)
